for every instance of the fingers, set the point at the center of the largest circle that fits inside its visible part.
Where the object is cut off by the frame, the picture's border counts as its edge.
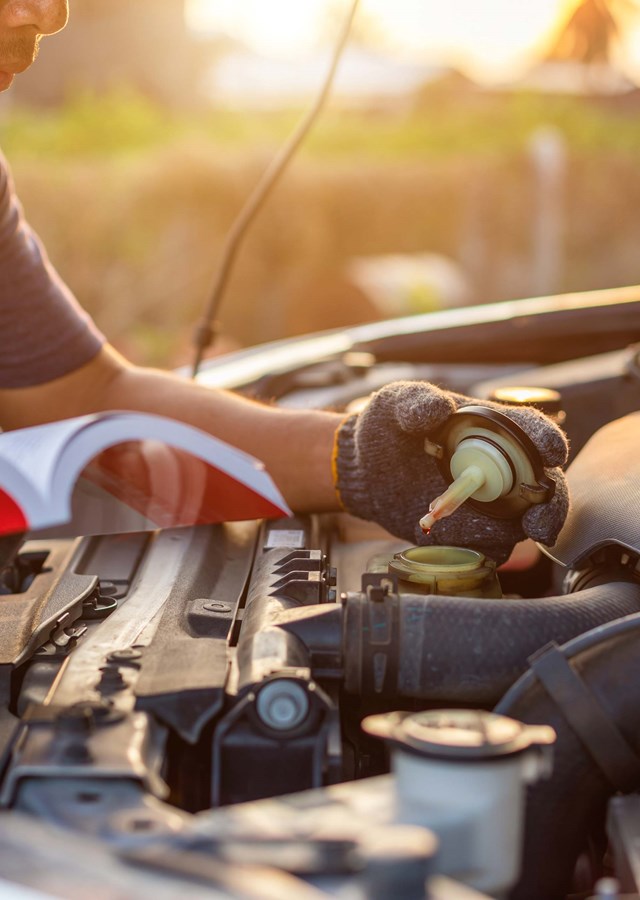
(544, 521)
(414, 405)
(418, 406)
(545, 434)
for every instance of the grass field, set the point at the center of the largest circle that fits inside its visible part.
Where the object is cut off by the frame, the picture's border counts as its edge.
(133, 203)
(432, 126)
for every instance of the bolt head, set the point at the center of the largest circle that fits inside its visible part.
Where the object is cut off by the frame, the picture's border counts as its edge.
(282, 704)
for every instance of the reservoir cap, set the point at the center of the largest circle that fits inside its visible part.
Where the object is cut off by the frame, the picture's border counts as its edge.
(458, 734)
(513, 472)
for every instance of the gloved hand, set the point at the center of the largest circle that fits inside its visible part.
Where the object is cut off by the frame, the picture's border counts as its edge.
(384, 474)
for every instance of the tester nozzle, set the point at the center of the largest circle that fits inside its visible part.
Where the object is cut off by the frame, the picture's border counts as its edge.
(462, 488)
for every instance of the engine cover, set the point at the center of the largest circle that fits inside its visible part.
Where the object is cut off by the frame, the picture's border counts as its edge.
(604, 510)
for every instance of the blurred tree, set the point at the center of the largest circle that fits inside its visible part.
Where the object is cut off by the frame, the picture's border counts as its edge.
(590, 33)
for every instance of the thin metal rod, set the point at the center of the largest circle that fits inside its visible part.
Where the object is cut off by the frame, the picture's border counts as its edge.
(205, 331)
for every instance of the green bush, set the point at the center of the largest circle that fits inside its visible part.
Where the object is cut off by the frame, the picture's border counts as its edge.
(123, 122)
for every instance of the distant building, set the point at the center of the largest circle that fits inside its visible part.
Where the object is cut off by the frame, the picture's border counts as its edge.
(108, 43)
(244, 78)
(574, 78)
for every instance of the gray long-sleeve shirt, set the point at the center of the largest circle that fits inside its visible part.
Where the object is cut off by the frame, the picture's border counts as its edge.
(44, 333)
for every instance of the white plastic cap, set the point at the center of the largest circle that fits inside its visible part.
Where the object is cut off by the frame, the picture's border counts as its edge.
(498, 475)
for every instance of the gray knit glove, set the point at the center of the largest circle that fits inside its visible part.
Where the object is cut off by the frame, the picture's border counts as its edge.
(384, 474)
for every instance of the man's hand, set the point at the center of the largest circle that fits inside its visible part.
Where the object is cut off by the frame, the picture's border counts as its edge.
(384, 474)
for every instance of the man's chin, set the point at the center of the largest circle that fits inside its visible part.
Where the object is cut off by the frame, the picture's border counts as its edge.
(6, 80)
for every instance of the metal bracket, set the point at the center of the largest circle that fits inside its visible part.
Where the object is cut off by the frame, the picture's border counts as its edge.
(537, 493)
(378, 585)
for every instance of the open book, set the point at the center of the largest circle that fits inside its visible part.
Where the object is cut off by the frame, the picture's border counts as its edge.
(127, 471)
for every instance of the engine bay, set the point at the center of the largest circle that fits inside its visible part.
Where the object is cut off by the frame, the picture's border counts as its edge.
(188, 698)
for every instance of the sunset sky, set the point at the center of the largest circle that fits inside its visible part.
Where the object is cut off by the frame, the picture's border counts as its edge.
(487, 37)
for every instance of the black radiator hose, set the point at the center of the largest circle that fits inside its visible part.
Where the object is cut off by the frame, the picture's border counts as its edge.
(463, 650)
(563, 810)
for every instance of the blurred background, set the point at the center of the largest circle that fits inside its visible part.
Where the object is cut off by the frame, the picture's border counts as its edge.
(473, 151)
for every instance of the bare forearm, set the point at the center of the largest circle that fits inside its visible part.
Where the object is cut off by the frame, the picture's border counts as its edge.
(295, 446)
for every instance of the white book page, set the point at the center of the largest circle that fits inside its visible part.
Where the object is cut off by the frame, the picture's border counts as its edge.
(29, 457)
(42, 463)
(114, 428)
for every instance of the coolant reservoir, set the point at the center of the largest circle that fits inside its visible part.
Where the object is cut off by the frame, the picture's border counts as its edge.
(463, 773)
(489, 462)
(453, 571)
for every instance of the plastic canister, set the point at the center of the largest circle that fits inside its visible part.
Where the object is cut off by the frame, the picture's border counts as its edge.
(452, 571)
(463, 774)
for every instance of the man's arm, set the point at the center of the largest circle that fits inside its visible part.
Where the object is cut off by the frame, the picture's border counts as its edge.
(54, 365)
(296, 446)
(383, 473)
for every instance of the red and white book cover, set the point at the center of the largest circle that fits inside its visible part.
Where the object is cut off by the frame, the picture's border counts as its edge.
(127, 471)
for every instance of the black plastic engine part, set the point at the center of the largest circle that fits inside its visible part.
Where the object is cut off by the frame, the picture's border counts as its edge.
(279, 715)
(588, 692)
(623, 832)
(274, 741)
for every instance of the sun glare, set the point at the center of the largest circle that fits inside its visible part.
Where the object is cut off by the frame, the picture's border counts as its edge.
(483, 34)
